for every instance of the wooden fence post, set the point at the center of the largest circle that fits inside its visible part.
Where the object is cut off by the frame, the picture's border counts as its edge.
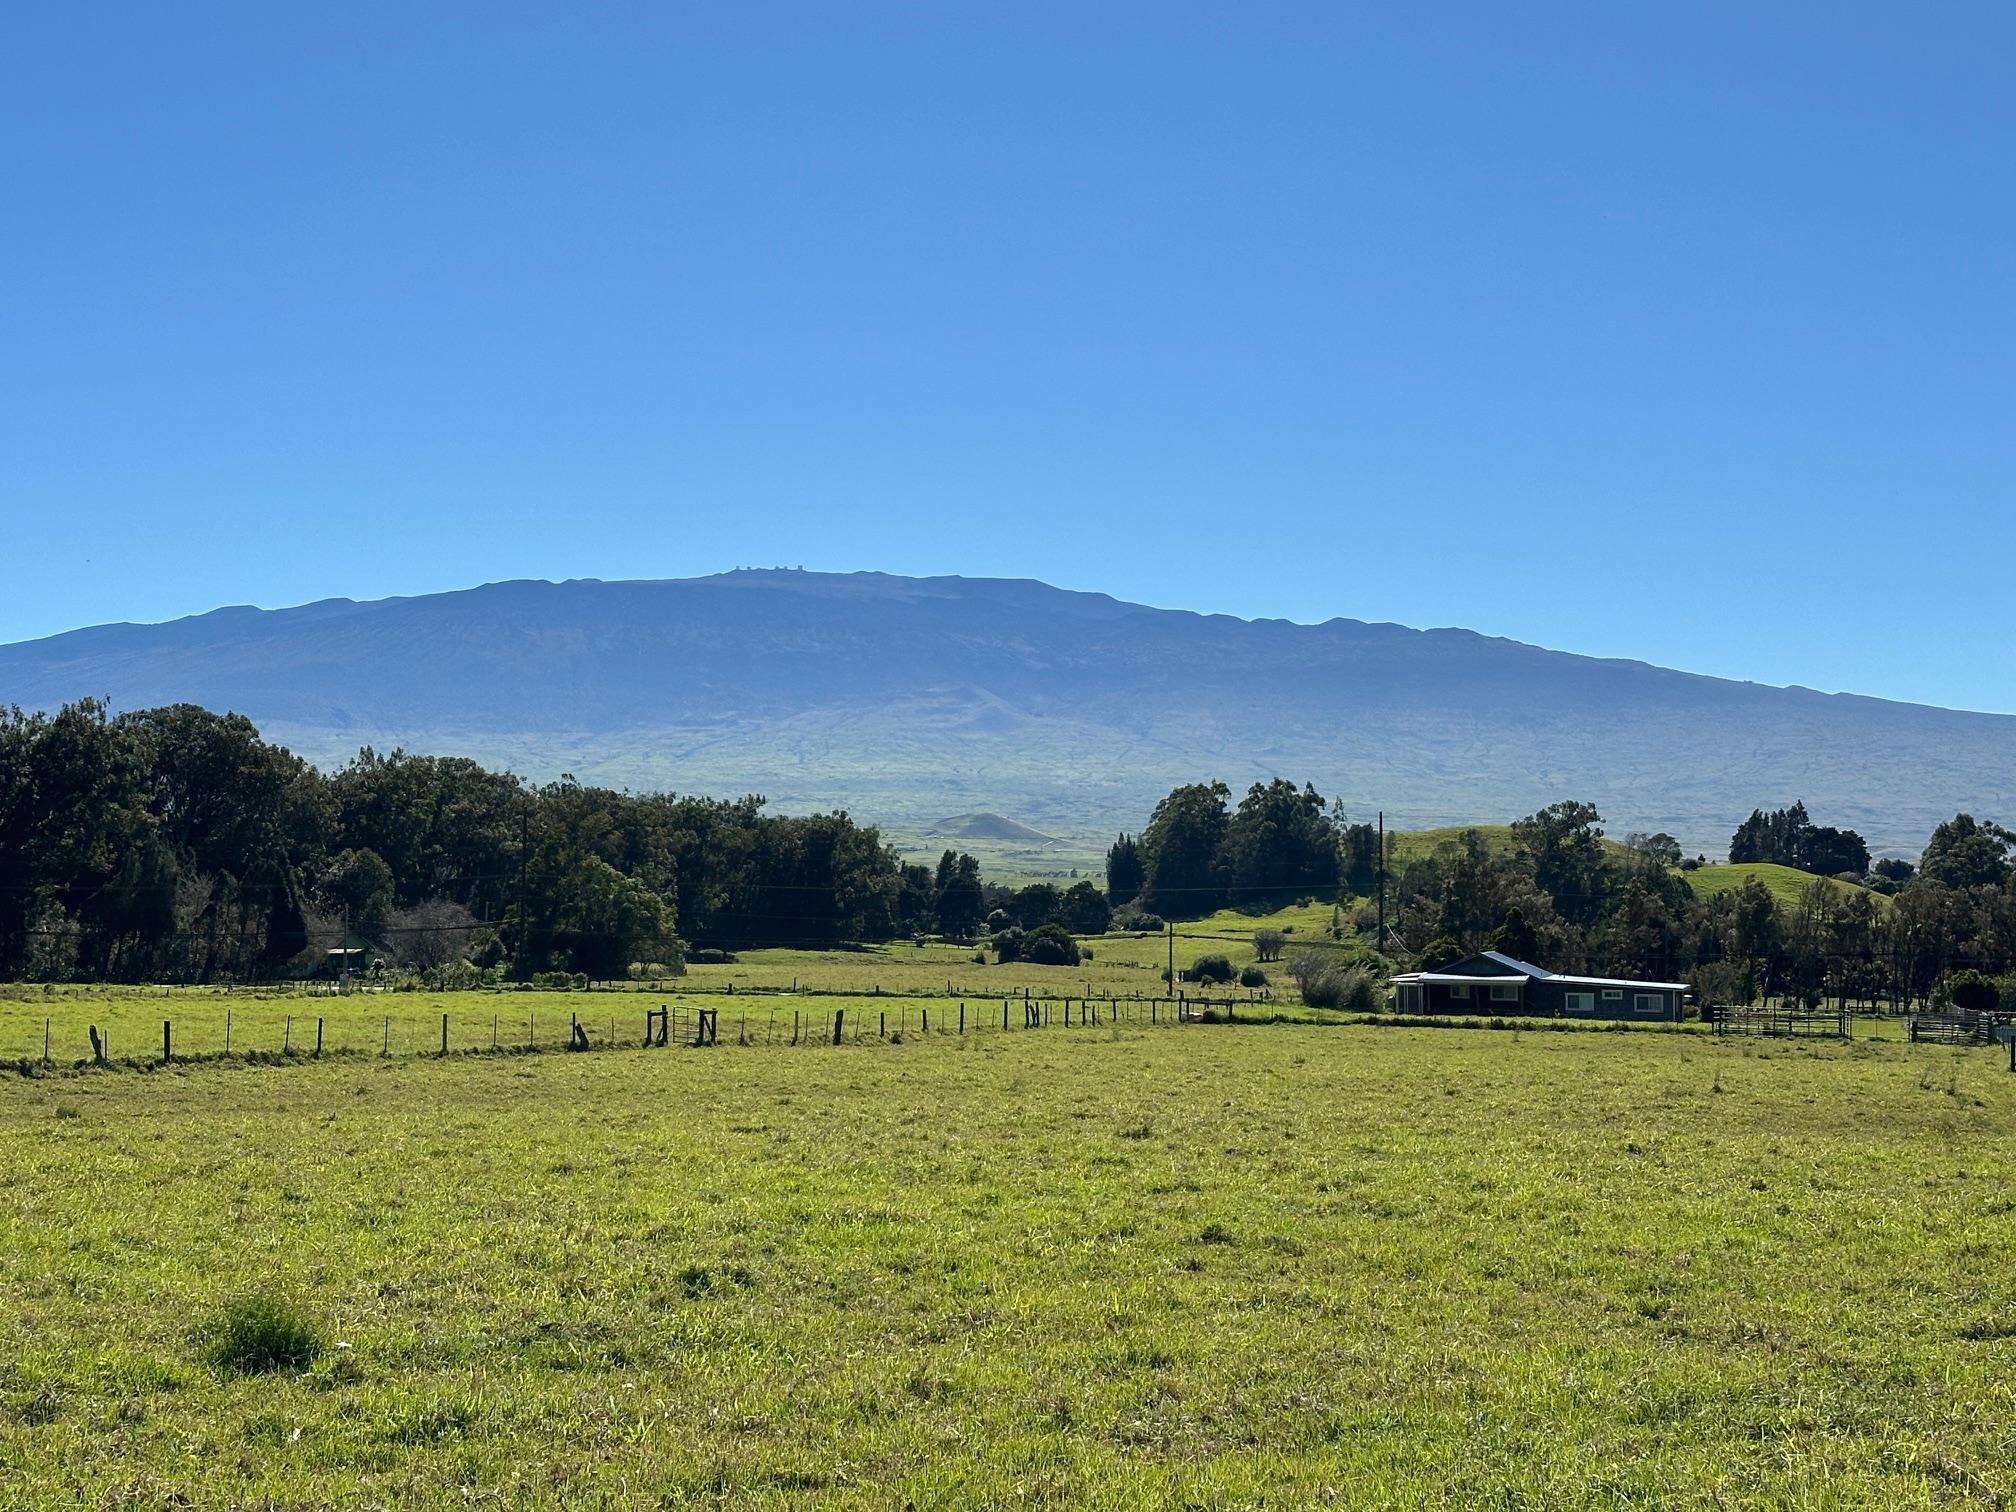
(318, 1038)
(444, 1034)
(287, 1037)
(386, 1048)
(167, 1042)
(838, 1015)
(962, 1018)
(227, 1033)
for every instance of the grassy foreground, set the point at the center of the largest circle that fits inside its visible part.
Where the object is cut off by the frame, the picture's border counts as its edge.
(1210, 1267)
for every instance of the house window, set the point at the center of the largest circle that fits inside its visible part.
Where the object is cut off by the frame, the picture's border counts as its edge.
(1613, 994)
(1651, 1002)
(1459, 989)
(1504, 994)
(1579, 1002)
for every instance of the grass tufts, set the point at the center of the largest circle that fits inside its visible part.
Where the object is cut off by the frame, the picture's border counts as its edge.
(261, 1332)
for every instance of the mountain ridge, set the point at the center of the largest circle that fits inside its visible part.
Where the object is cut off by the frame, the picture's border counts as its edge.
(908, 698)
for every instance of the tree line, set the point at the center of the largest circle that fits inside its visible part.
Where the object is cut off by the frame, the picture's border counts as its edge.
(1563, 896)
(175, 844)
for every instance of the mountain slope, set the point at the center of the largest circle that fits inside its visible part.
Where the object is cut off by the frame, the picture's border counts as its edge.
(906, 698)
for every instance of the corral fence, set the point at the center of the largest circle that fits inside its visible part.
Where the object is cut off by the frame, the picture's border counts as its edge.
(1779, 1020)
(1957, 1026)
(282, 1037)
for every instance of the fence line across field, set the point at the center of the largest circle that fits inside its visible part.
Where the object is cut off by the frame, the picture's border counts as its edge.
(260, 1037)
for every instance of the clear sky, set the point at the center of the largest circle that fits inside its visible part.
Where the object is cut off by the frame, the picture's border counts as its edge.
(1681, 332)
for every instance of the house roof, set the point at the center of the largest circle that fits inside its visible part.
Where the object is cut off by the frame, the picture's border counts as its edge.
(1492, 967)
(1489, 964)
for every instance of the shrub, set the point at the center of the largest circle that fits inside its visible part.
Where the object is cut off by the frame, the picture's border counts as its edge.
(1252, 976)
(1137, 920)
(1973, 991)
(1051, 945)
(651, 971)
(1210, 968)
(1268, 944)
(1328, 980)
(714, 958)
(261, 1332)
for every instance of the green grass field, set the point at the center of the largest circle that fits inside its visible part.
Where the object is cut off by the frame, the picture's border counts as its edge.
(1204, 1266)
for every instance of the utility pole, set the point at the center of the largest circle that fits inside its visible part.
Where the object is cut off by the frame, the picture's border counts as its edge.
(1382, 881)
(518, 963)
(1172, 958)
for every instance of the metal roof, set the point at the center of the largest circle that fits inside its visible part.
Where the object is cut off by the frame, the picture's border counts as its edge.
(1524, 967)
(1581, 981)
(1446, 979)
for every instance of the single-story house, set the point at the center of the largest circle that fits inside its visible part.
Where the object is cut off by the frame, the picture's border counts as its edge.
(1496, 983)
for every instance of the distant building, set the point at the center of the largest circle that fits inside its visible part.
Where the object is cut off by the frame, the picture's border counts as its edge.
(1496, 983)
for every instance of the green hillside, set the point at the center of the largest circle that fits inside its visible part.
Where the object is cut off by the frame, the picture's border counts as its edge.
(1414, 845)
(1785, 882)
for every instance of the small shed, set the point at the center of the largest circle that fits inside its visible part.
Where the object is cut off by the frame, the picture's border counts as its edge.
(352, 957)
(1492, 982)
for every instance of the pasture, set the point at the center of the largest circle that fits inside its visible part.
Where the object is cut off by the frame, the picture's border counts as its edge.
(1786, 884)
(1208, 1266)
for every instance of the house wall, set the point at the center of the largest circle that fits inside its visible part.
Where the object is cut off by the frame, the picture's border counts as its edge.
(1539, 999)
(1551, 998)
(1443, 999)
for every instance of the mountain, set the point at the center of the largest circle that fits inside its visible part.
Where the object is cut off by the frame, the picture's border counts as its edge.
(907, 698)
(988, 827)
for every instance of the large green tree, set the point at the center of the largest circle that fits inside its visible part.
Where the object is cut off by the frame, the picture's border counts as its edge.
(1964, 852)
(1182, 849)
(1282, 843)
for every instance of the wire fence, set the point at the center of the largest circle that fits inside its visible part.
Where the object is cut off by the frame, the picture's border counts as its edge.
(127, 1034)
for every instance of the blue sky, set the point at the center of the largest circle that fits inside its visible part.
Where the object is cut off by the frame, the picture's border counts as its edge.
(1674, 332)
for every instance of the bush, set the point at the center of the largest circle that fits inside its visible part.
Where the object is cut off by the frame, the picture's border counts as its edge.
(713, 958)
(1973, 991)
(1210, 968)
(1135, 920)
(1268, 944)
(1329, 980)
(1252, 976)
(1051, 945)
(261, 1332)
(651, 971)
